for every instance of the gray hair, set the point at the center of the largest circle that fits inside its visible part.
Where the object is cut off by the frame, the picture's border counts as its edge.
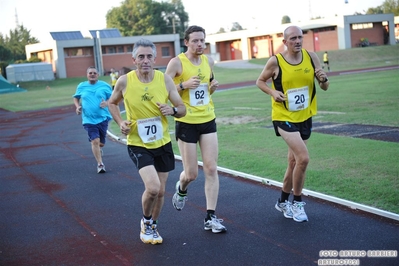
(144, 43)
(91, 67)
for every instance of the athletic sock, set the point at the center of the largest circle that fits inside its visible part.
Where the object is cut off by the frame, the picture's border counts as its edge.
(284, 196)
(182, 193)
(298, 198)
(147, 219)
(208, 214)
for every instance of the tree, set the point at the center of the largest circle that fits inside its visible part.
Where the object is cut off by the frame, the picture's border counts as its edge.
(388, 6)
(375, 10)
(391, 6)
(285, 20)
(148, 17)
(5, 53)
(221, 30)
(13, 46)
(236, 26)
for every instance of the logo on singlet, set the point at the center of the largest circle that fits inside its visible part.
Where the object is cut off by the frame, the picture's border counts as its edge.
(200, 75)
(146, 97)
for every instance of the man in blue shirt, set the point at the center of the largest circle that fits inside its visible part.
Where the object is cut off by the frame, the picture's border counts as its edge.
(91, 100)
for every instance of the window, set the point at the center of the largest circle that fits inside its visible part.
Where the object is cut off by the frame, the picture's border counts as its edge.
(129, 48)
(165, 52)
(77, 52)
(120, 49)
(111, 50)
(324, 29)
(361, 26)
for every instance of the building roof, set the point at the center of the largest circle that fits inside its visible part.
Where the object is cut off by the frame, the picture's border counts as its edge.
(106, 33)
(77, 35)
(66, 35)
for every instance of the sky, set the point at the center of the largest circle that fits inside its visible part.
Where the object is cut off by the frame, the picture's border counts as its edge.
(44, 16)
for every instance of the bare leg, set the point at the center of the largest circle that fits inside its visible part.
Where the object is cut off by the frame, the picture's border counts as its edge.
(95, 148)
(190, 163)
(209, 151)
(298, 159)
(153, 195)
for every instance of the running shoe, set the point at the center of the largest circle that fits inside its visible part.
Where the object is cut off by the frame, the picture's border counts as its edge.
(215, 225)
(156, 237)
(100, 168)
(177, 200)
(146, 232)
(284, 207)
(298, 212)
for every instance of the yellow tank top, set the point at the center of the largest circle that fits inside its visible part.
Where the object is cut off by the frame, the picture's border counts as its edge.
(198, 102)
(149, 128)
(325, 57)
(297, 83)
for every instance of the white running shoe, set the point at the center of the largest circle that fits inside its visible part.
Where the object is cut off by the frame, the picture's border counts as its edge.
(298, 212)
(177, 200)
(156, 237)
(100, 168)
(146, 234)
(215, 225)
(284, 207)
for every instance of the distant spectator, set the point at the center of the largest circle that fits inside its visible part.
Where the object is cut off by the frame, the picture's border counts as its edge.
(114, 77)
(325, 61)
(254, 51)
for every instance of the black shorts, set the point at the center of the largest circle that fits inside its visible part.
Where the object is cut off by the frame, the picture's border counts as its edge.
(304, 128)
(191, 132)
(162, 158)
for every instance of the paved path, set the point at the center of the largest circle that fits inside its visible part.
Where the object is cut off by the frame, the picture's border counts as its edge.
(55, 210)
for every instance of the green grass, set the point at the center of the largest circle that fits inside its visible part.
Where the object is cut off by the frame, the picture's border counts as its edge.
(360, 170)
(356, 58)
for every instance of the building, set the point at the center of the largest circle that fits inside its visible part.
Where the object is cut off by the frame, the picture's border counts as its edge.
(341, 32)
(71, 54)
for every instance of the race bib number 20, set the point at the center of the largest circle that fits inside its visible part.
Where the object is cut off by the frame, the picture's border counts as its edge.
(298, 99)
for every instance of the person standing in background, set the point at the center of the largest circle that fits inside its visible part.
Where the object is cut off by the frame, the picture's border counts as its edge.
(114, 77)
(146, 93)
(193, 76)
(325, 61)
(91, 101)
(293, 95)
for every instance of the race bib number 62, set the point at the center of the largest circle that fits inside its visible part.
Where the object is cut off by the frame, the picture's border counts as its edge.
(200, 95)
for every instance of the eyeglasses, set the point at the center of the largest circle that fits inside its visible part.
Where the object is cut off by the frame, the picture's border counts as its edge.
(92, 73)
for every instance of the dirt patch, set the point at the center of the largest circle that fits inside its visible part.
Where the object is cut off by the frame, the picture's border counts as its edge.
(382, 133)
(237, 120)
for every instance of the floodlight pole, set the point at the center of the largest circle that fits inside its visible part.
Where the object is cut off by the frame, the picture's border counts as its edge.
(98, 55)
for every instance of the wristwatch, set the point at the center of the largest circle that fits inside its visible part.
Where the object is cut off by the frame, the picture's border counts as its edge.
(324, 81)
(174, 111)
(181, 86)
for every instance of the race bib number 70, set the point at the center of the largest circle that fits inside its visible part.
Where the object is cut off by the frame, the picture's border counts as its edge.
(150, 129)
